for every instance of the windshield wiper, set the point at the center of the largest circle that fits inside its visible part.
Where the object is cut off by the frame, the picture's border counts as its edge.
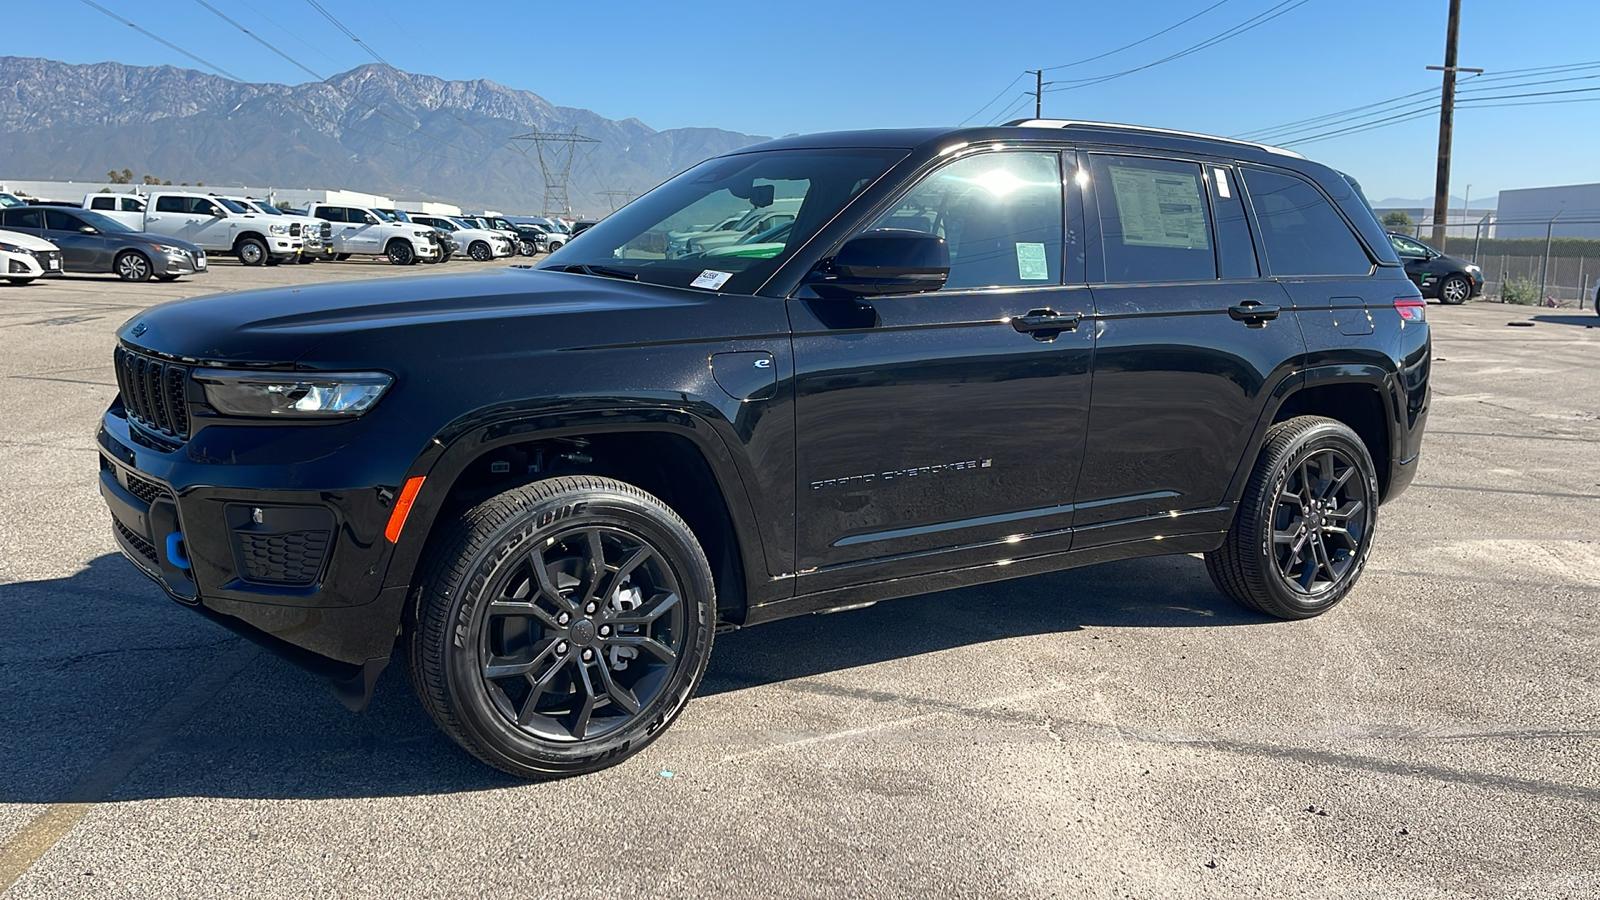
(602, 271)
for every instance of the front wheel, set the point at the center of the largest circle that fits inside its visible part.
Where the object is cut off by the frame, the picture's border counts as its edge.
(20, 280)
(131, 265)
(305, 259)
(560, 627)
(480, 251)
(1455, 290)
(341, 257)
(1304, 527)
(400, 253)
(251, 252)
(526, 248)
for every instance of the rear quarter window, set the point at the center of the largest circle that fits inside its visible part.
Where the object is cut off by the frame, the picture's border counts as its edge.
(1301, 232)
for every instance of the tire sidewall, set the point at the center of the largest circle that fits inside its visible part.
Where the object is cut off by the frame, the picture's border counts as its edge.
(468, 612)
(400, 252)
(1325, 435)
(242, 251)
(129, 255)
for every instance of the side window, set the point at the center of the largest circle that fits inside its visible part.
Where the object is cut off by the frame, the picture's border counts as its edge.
(23, 218)
(1407, 247)
(329, 213)
(999, 212)
(1154, 223)
(1303, 233)
(103, 203)
(131, 204)
(171, 205)
(57, 220)
(1236, 250)
(204, 207)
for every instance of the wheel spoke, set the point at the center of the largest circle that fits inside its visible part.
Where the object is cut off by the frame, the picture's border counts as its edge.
(648, 644)
(1347, 511)
(1284, 537)
(506, 670)
(514, 608)
(659, 606)
(1290, 497)
(1343, 534)
(1323, 560)
(540, 686)
(547, 586)
(616, 693)
(596, 565)
(580, 725)
(1340, 482)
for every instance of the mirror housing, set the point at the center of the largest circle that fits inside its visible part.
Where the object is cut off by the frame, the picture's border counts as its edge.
(883, 263)
(88, 229)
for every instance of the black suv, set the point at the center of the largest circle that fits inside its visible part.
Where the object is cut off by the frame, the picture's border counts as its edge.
(974, 355)
(1451, 279)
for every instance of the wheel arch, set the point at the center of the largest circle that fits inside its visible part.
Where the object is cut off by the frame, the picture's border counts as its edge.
(673, 454)
(1360, 395)
(243, 235)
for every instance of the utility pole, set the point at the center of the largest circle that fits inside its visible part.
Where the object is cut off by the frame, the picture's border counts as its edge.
(1038, 93)
(1447, 112)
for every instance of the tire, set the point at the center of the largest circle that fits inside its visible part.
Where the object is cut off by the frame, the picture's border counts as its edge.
(20, 281)
(647, 616)
(166, 278)
(131, 265)
(1455, 290)
(554, 246)
(479, 250)
(305, 259)
(250, 251)
(1314, 489)
(341, 257)
(526, 248)
(400, 253)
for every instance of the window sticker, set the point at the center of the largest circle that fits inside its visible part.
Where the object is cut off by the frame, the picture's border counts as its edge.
(1159, 209)
(711, 280)
(1031, 265)
(1222, 183)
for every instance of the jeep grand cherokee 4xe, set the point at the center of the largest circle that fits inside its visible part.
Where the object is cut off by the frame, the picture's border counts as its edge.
(973, 355)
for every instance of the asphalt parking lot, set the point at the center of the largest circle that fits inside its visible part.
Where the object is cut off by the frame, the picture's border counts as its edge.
(1115, 731)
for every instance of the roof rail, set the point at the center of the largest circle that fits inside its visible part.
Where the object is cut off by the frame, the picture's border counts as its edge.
(1072, 123)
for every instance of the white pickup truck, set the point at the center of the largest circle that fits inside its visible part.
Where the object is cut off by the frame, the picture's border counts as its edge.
(360, 231)
(125, 208)
(315, 232)
(218, 224)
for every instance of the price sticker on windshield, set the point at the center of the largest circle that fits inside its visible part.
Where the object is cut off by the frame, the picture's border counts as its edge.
(711, 280)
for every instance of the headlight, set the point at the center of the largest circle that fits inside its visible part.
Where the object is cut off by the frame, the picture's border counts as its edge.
(278, 229)
(166, 248)
(308, 395)
(15, 248)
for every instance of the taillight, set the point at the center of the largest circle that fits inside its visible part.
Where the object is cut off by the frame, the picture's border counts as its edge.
(1411, 309)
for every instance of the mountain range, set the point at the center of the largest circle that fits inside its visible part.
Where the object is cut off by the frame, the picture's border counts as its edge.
(374, 129)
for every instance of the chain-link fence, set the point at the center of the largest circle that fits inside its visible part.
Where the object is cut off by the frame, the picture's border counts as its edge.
(1551, 270)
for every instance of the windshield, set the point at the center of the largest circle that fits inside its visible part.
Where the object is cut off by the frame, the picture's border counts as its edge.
(402, 216)
(103, 222)
(461, 224)
(386, 215)
(8, 200)
(268, 208)
(231, 206)
(780, 196)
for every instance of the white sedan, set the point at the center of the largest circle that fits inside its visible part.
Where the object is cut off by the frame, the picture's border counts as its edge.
(478, 243)
(24, 257)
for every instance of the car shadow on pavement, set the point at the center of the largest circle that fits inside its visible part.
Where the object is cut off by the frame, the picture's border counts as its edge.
(1589, 320)
(103, 674)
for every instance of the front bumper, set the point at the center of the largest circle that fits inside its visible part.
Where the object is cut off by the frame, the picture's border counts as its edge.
(261, 533)
(182, 263)
(22, 265)
(281, 247)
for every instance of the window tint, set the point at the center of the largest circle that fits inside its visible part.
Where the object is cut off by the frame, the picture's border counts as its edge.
(131, 204)
(1303, 234)
(1236, 250)
(204, 207)
(103, 203)
(1407, 247)
(171, 205)
(999, 212)
(57, 220)
(330, 213)
(1154, 222)
(23, 218)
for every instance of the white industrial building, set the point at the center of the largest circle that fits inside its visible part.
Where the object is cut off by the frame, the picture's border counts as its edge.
(74, 191)
(1571, 210)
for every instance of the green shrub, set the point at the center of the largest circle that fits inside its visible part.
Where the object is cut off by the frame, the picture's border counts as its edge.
(1521, 291)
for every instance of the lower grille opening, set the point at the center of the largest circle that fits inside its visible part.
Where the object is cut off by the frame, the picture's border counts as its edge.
(137, 541)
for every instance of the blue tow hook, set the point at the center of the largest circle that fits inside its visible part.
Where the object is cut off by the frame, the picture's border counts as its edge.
(176, 552)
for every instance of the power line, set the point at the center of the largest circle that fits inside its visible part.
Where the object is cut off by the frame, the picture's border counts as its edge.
(1136, 43)
(163, 41)
(991, 102)
(1256, 21)
(347, 32)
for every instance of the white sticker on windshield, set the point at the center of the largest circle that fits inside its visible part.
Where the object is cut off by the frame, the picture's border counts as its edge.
(711, 280)
(1031, 265)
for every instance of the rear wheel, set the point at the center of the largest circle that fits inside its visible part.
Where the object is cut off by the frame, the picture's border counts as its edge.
(560, 627)
(251, 251)
(400, 253)
(480, 251)
(1304, 527)
(1455, 290)
(526, 248)
(131, 265)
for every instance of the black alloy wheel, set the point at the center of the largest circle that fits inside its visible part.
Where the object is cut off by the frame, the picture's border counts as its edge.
(131, 265)
(480, 251)
(1455, 290)
(1304, 527)
(251, 251)
(400, 253)
(560, 627)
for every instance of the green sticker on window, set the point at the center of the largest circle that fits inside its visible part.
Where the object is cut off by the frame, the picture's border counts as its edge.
(1031, 265)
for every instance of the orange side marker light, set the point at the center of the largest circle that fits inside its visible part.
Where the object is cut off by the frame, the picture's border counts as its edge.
(402, 508)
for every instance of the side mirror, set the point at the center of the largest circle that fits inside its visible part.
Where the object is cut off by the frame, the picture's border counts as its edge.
(371, 220)
(883, 263)
(88, 229)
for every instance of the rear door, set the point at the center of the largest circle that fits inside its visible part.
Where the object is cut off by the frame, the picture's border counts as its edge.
(936, 429)
(169, 216)
(80, 252)
(1192, 336)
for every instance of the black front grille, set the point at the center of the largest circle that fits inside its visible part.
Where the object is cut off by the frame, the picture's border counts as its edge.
(287, 559)
(327, 230)
(144, 489)
(294, 229)
(137, 541)
(154, 392)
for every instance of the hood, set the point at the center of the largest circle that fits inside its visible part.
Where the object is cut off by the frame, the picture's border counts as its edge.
(26, 240)
(391, 322)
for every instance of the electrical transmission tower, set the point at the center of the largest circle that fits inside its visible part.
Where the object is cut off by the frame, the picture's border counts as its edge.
(618, 197)
(555, 150)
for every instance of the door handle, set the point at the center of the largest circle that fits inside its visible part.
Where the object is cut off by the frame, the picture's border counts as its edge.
(1045, 324)
(1253, 313)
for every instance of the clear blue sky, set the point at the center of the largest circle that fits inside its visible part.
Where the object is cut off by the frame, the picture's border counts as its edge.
(774, 68)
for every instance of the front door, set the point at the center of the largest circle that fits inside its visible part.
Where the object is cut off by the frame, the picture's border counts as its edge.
(80, 252)
(933, 428)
